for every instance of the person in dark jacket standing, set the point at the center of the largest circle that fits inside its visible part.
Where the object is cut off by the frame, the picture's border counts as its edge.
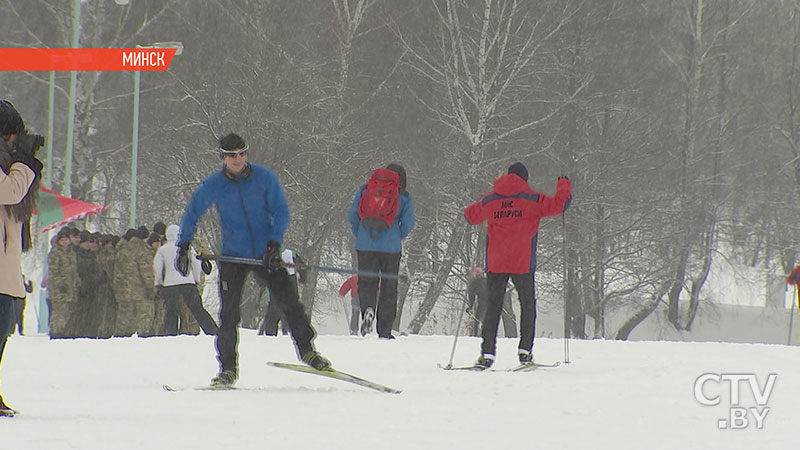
(513, 211)
(381, 252)
(254, 216)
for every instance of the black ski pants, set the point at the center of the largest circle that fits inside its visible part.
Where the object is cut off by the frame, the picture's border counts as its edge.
(497, 282)
(191, 298)
(368, 295)
(231, 281)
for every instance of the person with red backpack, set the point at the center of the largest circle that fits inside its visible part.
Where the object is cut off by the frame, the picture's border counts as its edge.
(381, 216)
(513, 211)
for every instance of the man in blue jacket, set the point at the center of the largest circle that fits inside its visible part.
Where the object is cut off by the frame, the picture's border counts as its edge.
(254, 215)
(380, 252)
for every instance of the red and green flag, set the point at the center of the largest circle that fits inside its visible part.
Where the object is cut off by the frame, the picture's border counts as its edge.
(55, 210)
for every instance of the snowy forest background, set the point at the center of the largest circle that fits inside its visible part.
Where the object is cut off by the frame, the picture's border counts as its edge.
(677, 122)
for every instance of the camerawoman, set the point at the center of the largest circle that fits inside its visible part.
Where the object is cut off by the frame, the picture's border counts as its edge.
(19, 186)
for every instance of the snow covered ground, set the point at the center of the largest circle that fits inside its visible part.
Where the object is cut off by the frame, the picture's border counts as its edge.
(106, 394)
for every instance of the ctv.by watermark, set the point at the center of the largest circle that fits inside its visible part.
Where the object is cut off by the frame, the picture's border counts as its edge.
(745, 396)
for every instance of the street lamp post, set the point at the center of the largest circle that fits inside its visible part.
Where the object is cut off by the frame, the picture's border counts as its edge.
(44, 315)
(73, 86)
(135, 139)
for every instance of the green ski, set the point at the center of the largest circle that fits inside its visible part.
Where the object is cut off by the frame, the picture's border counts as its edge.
(335, 374)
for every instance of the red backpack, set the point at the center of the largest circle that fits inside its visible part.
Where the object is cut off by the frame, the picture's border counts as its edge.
(379, 201)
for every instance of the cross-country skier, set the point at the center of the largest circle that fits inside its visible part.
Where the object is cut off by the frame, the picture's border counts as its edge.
(254, 215)
(513, 211)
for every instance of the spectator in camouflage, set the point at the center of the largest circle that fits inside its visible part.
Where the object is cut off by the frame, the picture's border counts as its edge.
(62, 286)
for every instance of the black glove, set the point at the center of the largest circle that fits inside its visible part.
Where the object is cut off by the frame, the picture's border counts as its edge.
(272, 258)
(563, 177)
(28, 286)
(182, 259)
(206, 266)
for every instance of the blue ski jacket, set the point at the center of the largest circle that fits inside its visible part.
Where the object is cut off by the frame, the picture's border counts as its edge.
(390, 240)
(252, 211)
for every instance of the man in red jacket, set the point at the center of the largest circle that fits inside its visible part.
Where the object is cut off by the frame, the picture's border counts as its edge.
(513, 211)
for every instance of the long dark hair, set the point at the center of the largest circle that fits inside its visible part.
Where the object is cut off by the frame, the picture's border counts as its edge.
(22, 211)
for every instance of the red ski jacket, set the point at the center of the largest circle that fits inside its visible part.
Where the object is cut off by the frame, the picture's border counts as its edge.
(513, 211)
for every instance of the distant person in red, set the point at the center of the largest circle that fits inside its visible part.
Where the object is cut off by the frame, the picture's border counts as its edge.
(351, 285)
(513, 211)
(794, 277)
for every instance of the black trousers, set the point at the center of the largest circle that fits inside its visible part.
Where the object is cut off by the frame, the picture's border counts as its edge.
(231, 281)
(507, 314)
(274, 312)
(497, 282)
(7, 320)
(191, 298)
(384, 302)
(19, 315)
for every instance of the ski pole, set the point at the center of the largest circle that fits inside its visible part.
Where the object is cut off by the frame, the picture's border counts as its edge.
(566, 317)
(258, 262)
(455, 338)
(791, 315)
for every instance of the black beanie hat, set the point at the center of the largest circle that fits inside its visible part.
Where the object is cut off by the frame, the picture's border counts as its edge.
(400, 171)
(519, 169)
(142, 232)
(231, 142)
(129, 233)
(160, 228)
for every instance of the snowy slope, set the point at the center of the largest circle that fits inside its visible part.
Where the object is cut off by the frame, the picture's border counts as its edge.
(94, 394)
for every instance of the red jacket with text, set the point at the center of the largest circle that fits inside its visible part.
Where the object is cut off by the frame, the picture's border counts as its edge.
(513, 211)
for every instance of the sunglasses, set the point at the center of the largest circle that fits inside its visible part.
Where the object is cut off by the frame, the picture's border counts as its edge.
(234, 153)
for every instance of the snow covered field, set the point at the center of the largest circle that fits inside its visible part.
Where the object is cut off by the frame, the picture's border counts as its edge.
(95, 394)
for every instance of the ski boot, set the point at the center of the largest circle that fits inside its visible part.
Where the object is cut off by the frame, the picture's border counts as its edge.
(366, 324)
(225, 379)
(525, 357)
(317, 361)
(484, 362)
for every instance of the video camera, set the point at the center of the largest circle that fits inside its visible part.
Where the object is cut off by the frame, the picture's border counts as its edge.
(28, 144)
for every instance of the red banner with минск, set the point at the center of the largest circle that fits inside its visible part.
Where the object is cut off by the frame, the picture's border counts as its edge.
(86, 59)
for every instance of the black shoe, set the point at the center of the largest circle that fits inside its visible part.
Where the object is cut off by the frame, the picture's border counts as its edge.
(317, 361)
(5, 410)
(389, 336)
(366, 325)
(525, 357)
(485, 361)
(226, 378)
